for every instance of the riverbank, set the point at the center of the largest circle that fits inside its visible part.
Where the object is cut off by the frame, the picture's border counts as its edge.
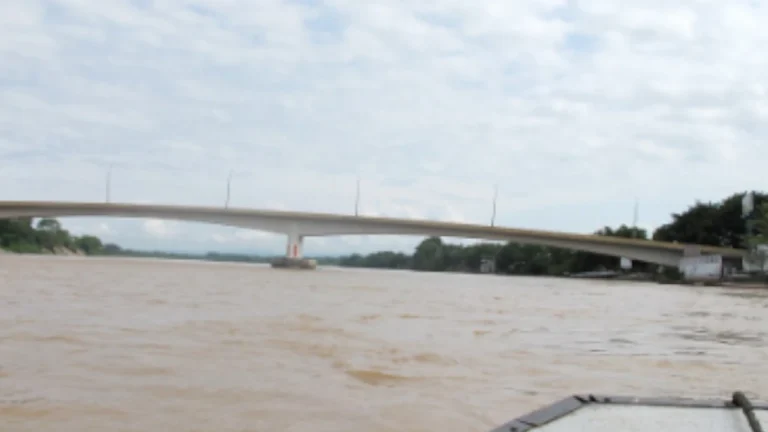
(58, 250)
(745, 284)
(740, 281)
(646, 277)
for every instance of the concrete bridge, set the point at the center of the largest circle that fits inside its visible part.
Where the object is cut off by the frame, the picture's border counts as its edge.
(299, 225)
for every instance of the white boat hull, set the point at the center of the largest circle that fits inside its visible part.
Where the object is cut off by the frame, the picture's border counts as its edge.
(628, 414)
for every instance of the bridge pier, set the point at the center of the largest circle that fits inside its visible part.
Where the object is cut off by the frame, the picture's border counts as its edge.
(294, 255)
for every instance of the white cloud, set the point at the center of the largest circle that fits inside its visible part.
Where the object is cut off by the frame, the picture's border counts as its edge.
(104, 228)
(219, 238)
(232, 236)
(160, 228)
(249, 235)
(572, 110)
(91, 227)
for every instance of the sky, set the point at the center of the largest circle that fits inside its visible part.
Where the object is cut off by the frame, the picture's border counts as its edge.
(575, 109)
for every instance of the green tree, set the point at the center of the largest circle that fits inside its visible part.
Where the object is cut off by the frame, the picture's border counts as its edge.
(429, 255)
(516, 258)
(111, 249)
(761, 225)
(757, 242)
(453, 258)
(587, 261)
(48, 225)
(715, 224)
(19, 235)
(14, 227)
(90, 245)
(386, 259)
(473, 255)
(354, 260)
(626, 232)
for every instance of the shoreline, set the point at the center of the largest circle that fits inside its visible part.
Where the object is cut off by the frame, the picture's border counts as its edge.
(629, 277)
(56, 251)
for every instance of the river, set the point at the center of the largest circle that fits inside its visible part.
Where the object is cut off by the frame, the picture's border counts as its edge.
(108, 344)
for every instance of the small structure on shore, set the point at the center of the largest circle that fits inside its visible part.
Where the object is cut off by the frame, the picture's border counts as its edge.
(488, 265)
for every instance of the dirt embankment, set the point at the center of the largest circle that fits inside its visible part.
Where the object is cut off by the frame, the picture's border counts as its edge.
(58, 250)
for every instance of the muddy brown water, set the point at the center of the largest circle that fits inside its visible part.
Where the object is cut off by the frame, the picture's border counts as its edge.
(142, 345)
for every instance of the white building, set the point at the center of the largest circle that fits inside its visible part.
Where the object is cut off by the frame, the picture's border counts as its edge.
(757, 261)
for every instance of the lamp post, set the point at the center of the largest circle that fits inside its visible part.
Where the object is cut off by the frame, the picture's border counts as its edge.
(229, 188)
(634, 216)
(108, 186)
(357, 198)
(495, 196)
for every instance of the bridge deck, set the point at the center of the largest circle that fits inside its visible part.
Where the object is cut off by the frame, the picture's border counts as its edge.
(127, 210)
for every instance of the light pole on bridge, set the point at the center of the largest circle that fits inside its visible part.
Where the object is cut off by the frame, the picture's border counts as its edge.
(634, 216)
(229, 188)
(108, 187)
(493, 211)
(357, 198)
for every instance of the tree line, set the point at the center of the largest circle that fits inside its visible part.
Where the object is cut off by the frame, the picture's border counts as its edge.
(433, 254)
(708, 223)
(47, 236)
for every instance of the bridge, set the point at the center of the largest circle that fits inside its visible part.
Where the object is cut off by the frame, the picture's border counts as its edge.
(299, 225)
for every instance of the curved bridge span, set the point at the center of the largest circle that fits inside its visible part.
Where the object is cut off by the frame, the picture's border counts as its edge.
(298, 225)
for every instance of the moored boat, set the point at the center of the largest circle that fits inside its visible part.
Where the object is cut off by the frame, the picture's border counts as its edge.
(590, 413)
(294, 263)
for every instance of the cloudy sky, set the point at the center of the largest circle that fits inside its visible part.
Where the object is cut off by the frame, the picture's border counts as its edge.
(574, 108)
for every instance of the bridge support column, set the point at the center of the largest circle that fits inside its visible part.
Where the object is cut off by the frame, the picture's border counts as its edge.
(295, 245)
(294, 255)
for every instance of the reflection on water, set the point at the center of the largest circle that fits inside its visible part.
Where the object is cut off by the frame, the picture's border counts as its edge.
(133, 345)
